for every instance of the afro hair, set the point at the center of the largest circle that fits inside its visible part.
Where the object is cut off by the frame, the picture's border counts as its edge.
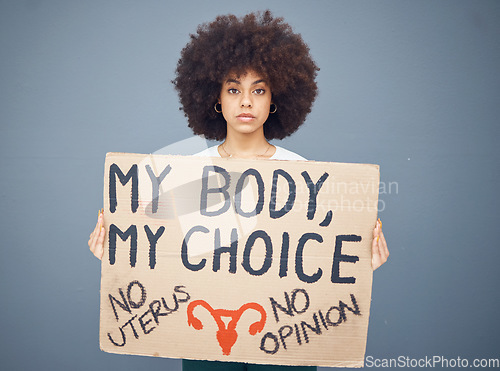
(257, 42)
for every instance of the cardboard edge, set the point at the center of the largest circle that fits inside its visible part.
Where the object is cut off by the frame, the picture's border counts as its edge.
(112, 154)
(338, 364)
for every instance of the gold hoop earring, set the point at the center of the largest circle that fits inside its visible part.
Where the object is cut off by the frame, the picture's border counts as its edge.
(215, 107)
(275, 108)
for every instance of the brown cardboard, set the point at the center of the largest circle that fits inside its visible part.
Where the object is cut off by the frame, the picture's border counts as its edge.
(296, 292)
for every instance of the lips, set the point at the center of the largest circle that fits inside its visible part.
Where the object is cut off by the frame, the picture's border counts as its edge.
(245, 117)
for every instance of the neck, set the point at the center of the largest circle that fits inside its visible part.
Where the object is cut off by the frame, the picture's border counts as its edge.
(246, 145)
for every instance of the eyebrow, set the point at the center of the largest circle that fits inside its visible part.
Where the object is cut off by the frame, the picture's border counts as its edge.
(228, 81)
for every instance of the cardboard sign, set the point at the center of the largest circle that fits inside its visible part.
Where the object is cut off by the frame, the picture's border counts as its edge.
(258, 261)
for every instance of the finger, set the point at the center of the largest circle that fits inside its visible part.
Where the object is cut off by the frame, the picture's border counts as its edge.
(93, 237)
(99, 251)
(90, 238)
(375, 243)
(381, 253)
(95, 233)
(376, 232)
(384, 244)
(376, 261)
(382, 256)
(92, 234)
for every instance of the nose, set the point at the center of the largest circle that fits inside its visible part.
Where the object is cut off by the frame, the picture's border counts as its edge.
(246, 100)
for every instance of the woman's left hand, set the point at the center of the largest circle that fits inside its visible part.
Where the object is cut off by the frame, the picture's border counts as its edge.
(380, 252)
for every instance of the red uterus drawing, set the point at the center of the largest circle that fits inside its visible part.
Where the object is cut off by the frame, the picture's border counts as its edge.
(226, 336)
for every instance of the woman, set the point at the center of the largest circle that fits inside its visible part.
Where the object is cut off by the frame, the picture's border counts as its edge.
(246, 81)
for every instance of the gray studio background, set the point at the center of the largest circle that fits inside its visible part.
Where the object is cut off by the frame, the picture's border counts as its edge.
(413, 86)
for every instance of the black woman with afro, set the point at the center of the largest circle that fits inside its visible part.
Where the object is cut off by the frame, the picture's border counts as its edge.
(245, 81)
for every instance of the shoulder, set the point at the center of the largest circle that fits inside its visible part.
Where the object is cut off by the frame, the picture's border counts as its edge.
(209, 152)
(284, 154)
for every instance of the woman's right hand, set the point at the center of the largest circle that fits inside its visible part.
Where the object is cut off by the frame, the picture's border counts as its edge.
(96, 239)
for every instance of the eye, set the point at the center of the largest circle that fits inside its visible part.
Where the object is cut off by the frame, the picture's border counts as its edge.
(260, 91)
(232, 91)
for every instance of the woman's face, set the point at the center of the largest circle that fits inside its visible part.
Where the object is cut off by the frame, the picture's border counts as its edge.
(245, 102)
